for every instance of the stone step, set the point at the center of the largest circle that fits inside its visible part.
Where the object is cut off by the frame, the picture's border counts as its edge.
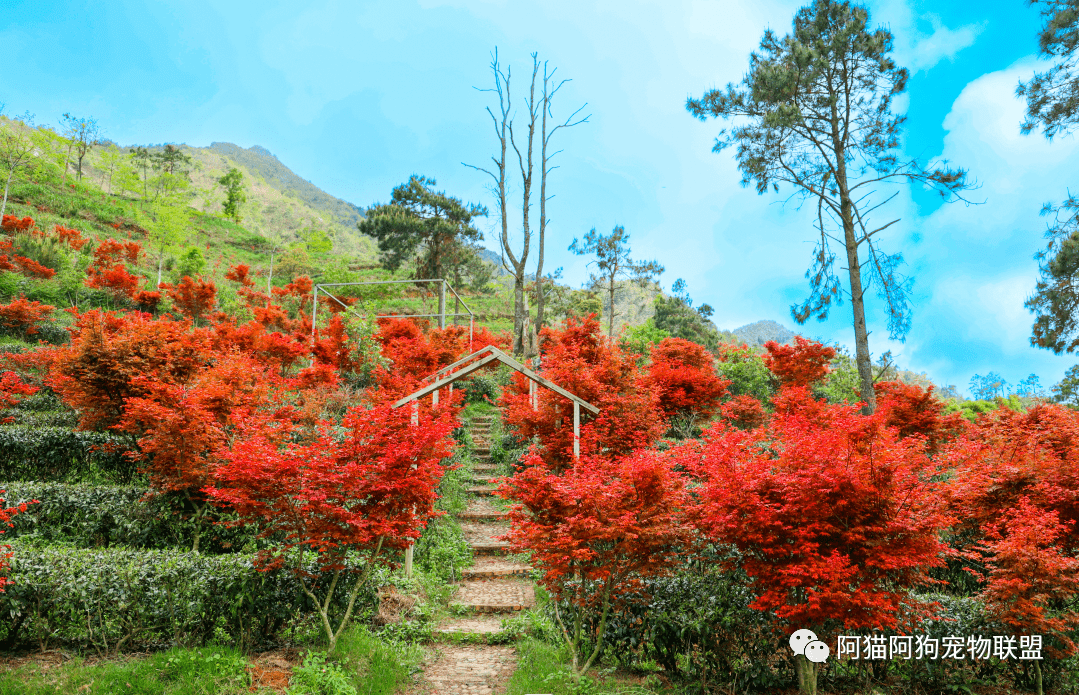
(471, 669)
(486, 479)
(481, 508)
(484, 491)
(488, 549)
(494, 567)
(496, 595)
(483, 516)
(477, 467)
(481, 450)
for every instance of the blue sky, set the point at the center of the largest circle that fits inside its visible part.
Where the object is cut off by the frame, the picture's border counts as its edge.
(357, 96)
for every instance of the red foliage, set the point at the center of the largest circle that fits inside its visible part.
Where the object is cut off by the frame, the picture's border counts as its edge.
(414, 355)
(11, 386)
(369, 493)
(684, 379)
(834, 514)
(32, 268)
(800, 364)
(110, 357)
(182, 426)
(240, 273)
(333, 348)
(584, 362)
(13, 224)
(72, 237)
(1028, 573)
(916, 411)
(5, 520)
(1007, 456)
(22, 316)
(110, 252)
(272, 349)
(744, 412)
(194, 298)
(610, 520)
(147, 301)
(606, 518)
(482, 337)
(117, 279)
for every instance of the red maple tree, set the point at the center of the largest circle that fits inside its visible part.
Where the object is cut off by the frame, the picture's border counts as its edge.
(913, 410)
(370, 493)
(194, 298)
(606, 521)
(1029, 574)
(800, 364)
(583, 361)
(684, 379)
(21, 316)
(834, 514)
(109, 357)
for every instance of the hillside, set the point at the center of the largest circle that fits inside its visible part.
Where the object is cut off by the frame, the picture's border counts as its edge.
(760, 332)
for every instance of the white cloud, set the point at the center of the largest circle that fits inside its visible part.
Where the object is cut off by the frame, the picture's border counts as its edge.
(921, 49)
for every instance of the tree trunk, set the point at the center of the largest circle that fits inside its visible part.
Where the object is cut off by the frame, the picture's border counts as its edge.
(854, 268)
(518, 314)
(269, 278)
(807, 674)
(67, 157)
(1038, 677)
(610, 317)
(7, 185)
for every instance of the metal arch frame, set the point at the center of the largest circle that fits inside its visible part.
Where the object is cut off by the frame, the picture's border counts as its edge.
(473, 362)
(481, 358)
(443, 285)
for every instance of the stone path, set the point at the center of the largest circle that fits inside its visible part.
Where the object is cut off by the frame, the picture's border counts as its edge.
(493, 588)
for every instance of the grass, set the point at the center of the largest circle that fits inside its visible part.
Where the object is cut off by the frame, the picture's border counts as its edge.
(377, 667)
(179, 671)
(372, 666)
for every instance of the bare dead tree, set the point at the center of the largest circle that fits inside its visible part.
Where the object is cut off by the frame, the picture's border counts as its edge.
(550, 88)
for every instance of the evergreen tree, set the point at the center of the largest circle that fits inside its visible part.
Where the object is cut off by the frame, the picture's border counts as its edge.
(676, 316)
(1067, 391)
(418, 220)
(613, 262)
(815, 111)
(235, 196)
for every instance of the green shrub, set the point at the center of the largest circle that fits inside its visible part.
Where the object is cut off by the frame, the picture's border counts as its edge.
(111, 599)
(96, 516)
(483, 388)
(442, 549)
(57, 453)
(703, 613)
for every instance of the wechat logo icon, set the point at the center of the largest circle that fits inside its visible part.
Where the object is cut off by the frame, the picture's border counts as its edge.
(805, 643)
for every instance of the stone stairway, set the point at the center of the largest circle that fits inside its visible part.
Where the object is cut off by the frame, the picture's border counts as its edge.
(493, 588)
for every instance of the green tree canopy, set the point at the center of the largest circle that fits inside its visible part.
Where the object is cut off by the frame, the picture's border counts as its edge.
(676, 316)
(235, 196)
(814, 111)
(1053, 96)
(613, 262)
(430, 226)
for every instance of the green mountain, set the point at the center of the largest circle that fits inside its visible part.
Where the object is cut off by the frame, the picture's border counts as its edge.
(760, 332)
(261, 163)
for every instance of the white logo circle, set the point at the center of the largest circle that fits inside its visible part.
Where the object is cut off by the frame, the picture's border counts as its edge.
(817, 652)
(800, 639)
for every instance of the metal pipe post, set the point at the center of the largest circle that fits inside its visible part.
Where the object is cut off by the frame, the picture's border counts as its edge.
(442, 305)
(576, 430)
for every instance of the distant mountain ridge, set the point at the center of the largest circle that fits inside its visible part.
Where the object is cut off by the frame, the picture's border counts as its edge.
(760, 332)
(258, 160)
